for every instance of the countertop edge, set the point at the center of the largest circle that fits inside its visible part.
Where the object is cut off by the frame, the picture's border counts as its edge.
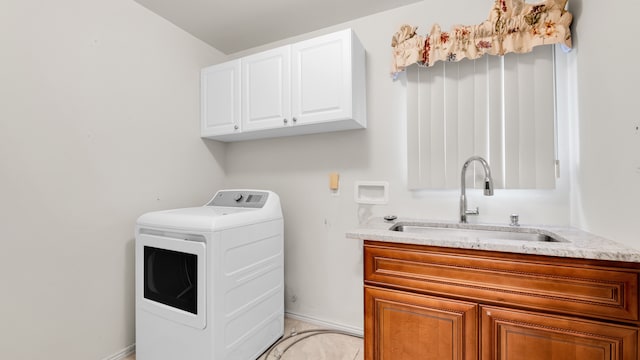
(579, 244)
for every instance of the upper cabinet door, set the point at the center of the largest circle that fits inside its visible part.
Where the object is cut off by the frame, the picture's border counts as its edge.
(220, 99)
(266, 89)
(325, 79)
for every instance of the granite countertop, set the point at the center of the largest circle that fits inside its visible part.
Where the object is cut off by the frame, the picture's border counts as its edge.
(571, 242)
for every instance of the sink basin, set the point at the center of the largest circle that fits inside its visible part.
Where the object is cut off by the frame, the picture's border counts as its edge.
(516, 233)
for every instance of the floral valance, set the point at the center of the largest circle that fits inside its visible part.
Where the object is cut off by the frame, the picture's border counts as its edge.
(513, 26)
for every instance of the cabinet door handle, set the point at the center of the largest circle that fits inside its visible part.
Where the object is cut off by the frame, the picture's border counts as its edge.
(294, 120)
(285, 121)
(235, 127)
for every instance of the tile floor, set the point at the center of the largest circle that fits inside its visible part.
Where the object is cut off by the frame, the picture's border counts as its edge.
(318, 347)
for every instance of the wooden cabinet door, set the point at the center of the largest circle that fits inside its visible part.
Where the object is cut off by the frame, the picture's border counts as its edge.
(266, 90)
(405, 326)
(220, 99)
(519, 335)
(321, 78)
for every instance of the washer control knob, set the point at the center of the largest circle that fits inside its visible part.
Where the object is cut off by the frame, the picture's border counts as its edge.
(237, 197)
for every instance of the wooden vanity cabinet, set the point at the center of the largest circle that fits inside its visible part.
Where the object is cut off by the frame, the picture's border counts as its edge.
(424, 302)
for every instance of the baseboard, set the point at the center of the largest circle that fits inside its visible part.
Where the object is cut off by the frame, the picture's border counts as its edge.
(309, 319)
(122, 353)
(326, 324)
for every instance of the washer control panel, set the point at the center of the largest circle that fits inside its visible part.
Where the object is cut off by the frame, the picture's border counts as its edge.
(239, 198)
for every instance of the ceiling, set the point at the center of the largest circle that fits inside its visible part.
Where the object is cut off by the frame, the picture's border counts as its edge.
(232, 26)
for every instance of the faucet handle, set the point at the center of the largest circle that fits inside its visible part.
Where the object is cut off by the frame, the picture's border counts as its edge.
(514, 220)
(475, 211)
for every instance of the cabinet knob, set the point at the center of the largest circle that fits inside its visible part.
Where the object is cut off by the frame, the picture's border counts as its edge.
(235, 127)
(294, 120)
(285, 121)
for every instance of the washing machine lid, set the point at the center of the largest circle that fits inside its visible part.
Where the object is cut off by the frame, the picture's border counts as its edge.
(228, 208)
(199, 219)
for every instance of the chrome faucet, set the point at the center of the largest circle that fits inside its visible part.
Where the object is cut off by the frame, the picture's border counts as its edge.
(488, 187)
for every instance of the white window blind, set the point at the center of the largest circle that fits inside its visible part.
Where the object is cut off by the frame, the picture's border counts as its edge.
(500, 108)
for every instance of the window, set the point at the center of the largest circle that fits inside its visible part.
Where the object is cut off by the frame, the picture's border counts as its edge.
(500, 108)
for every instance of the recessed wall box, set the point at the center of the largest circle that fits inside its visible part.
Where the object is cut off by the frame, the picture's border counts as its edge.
(372, 192)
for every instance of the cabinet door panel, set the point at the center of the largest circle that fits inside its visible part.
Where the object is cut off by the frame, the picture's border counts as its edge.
(403, 326)
(266, 91)
(220, 99)
(516, 335)
(321, 79)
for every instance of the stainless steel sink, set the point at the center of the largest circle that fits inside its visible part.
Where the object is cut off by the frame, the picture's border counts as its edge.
(516, 233)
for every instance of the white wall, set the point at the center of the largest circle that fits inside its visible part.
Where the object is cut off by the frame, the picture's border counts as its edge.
(323, 269)
(99, 123)
(606, 189)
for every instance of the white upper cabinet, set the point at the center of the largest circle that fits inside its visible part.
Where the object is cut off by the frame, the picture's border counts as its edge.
(220, 99)
(322, 78)
(266, 90)
(313, 86)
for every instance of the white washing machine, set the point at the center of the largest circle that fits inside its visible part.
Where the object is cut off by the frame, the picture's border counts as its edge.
(210, 279)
